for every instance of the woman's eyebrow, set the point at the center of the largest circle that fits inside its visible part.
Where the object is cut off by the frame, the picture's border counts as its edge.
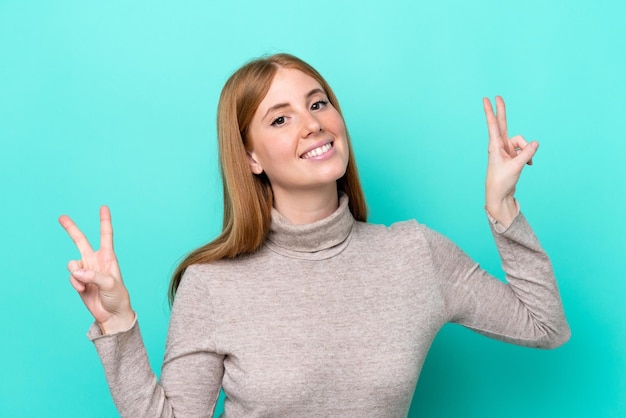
(314, 92)
(283, 105)
(275, 107)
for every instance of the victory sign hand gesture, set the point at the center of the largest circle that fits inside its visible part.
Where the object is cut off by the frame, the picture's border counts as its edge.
(507, 158)
(97, 278)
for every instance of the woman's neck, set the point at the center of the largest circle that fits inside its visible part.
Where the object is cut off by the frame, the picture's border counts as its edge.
(306, 206)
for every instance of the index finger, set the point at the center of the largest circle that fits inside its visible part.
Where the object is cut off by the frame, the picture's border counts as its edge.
(492, 123)
(75, 234)
(106, 228)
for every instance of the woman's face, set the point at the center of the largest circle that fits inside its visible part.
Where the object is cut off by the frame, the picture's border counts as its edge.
(296, 136)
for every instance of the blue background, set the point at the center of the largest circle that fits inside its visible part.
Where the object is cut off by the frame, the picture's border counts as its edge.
(114, 102)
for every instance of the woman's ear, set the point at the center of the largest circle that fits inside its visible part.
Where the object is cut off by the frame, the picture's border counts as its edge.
(255, 167)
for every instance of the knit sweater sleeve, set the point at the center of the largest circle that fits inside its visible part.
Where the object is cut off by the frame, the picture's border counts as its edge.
(191, 374)
(524, 310)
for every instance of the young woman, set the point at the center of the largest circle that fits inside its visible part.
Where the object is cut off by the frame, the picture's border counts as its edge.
(300, 308)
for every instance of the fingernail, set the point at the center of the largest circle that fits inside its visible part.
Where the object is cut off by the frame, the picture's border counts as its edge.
(78, 273)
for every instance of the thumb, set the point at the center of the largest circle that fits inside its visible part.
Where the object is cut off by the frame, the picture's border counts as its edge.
(87, 276)
(526, 154)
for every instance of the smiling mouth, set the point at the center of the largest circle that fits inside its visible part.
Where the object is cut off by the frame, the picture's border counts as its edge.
(316, 152)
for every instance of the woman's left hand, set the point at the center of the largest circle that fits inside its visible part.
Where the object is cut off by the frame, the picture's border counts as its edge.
(507, 158)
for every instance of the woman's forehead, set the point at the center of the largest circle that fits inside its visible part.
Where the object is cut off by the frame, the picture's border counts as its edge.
(290, 84)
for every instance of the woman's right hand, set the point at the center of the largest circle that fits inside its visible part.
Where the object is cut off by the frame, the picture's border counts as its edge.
(97, 278)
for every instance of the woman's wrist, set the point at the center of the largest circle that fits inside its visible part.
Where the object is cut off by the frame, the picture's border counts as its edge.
(503, 210)
(118, 323)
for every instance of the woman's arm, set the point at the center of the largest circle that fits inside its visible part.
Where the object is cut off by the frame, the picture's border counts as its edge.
(527, 309)
(192, 373)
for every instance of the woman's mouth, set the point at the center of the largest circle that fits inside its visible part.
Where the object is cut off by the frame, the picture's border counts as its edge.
(316, 152)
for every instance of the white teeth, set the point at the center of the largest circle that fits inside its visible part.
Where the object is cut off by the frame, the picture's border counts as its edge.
(317, 151)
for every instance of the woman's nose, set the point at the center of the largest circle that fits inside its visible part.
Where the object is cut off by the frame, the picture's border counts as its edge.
(310, 124)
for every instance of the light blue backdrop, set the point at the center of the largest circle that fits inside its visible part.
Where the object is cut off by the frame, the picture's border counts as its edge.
(114, 102)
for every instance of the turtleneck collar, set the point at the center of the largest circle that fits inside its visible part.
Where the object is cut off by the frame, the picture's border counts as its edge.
(316, 241)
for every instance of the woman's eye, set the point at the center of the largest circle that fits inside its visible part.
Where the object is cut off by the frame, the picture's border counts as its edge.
(320, 104)
(278, 121)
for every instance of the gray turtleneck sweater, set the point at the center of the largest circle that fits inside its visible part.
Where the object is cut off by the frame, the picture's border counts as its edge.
(329, 319)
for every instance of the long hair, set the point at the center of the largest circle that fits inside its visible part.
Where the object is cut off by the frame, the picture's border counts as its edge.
(248, 198)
